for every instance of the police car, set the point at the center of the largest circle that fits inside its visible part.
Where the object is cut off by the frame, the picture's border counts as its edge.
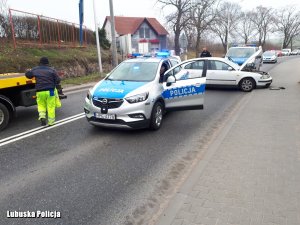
(136, 95)
(240, 54)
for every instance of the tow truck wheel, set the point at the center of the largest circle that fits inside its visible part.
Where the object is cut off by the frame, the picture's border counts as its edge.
(156, 116)
(4, 116)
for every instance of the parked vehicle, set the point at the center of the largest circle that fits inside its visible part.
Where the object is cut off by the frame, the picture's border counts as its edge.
(269, 57)
(295, 52)
(241, 54)
(286, 51)
(136, 94)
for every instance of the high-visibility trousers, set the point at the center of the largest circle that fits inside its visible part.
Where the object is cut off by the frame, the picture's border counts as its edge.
(46, 105)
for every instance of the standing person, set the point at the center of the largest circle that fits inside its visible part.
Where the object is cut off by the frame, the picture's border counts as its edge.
(205, 53)
(162, 70)
(46, 81)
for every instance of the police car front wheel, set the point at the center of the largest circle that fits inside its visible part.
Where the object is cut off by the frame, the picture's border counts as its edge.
(156, 116)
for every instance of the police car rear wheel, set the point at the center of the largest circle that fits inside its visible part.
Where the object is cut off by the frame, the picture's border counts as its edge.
(4, 116)
(156, 116)
(247, 84)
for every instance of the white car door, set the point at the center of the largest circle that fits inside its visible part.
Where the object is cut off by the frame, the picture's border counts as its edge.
(220, 73)
(184, 88)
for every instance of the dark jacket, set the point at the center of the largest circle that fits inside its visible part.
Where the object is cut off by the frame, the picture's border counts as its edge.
(205, 54)
(46, 77)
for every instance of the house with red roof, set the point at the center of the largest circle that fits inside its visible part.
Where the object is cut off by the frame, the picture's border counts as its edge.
(137, 34)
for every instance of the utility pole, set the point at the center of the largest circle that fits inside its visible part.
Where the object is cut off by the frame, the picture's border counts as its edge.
(97, 39)
(113, 35)
(80, 21)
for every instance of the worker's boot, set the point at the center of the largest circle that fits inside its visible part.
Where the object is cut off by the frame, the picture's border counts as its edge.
(43, 122)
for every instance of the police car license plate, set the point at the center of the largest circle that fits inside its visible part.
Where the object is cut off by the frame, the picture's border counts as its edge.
(105, 116)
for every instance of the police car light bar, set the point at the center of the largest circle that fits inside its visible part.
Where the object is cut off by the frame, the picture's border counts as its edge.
(163, 54)
(136, 54)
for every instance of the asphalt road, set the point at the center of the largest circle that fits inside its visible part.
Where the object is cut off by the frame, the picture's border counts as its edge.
(99, 176)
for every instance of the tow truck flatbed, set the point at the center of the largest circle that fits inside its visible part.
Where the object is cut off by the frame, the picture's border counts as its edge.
(8, 80)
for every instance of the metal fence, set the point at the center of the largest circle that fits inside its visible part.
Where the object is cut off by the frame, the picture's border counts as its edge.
(35, 30)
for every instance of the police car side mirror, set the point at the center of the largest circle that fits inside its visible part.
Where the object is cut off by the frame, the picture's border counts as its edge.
(258, 57)
(230, 68)
(171, 80)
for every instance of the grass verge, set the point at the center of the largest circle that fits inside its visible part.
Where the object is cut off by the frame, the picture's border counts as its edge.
(93, 77)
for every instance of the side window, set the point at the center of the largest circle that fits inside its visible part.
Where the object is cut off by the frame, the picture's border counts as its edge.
(147, 33)
(190, 70)
(221, 65)
(163, 68)
(211, 65)
(144, 32)
(174, 62)
(198, 65)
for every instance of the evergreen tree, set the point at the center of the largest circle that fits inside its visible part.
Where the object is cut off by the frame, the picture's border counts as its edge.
(104, 43)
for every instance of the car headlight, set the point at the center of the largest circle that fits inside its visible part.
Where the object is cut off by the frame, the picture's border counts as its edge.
(137, 98)
(265, 76)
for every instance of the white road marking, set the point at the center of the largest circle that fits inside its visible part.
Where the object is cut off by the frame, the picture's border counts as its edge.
(34, 131)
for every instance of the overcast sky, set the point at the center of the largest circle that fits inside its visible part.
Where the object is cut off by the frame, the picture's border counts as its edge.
(68, 9)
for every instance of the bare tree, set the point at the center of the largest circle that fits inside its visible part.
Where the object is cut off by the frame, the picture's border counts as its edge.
(227, 18)
(4, 25)
(178, 19)
(263, 20)
(288, 22)
(190, 34)
(202, 16)
(246, 27)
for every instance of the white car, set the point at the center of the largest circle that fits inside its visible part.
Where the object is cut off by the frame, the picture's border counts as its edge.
(286, 51)
(295, 52)
(270, 57)
(225, 73)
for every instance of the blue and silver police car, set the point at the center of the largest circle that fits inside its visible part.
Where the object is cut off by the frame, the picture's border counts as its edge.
(138, 92)
(240, 54)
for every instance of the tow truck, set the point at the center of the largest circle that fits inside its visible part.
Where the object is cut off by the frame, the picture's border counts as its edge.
(16, 90)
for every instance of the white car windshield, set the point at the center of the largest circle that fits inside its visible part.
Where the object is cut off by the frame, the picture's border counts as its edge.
(240, 52)
(135, 71)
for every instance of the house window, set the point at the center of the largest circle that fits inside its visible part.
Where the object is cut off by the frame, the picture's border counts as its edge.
(144, 32)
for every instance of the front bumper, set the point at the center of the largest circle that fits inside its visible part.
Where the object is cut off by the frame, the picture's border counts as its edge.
(119, 123)
(124, 115)
(269, 60)
(264, 82)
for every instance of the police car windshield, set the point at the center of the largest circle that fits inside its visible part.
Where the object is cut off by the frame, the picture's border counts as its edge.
(240, 52)
(135, 71)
